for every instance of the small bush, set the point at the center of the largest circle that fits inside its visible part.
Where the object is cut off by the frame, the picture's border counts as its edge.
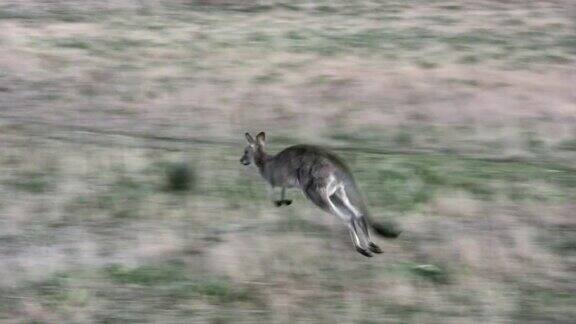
(179, 177)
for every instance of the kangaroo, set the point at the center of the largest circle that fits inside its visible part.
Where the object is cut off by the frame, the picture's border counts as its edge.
(325, 180)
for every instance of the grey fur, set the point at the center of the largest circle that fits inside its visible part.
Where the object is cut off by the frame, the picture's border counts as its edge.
(322, 176)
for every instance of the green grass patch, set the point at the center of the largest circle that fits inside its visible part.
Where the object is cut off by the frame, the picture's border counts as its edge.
(173, 281)
(73, 43)
(32, 182)
(427, 272)
(146, 275)
(222, 291)
(400, 190)
(402, 183)
(567, 145)
(61, 290)
(403, 138)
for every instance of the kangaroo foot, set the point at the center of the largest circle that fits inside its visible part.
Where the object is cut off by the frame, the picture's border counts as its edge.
(279, 203)
(363, 252)
(374, 248)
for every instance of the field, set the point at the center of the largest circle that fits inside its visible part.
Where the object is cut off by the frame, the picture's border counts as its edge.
(122, 199)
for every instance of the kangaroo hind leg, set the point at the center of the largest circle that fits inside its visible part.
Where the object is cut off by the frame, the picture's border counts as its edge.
(319, 195)
(349, 218)
(360, 220)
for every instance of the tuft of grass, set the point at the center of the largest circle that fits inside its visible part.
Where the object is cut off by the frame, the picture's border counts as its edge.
(428, 272)
(432, 273)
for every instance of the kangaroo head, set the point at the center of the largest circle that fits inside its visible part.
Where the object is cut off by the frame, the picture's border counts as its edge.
(254, 152)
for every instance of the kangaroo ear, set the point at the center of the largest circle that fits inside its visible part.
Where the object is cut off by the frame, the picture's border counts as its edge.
(261, 139)
(250, 139)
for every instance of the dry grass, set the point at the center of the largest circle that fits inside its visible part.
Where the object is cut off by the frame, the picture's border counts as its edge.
(90, 230)
(90, 234)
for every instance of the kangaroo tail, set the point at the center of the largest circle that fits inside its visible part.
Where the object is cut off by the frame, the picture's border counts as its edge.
(386, 229)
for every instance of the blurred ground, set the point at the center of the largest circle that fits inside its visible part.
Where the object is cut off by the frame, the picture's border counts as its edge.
(458, 118)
